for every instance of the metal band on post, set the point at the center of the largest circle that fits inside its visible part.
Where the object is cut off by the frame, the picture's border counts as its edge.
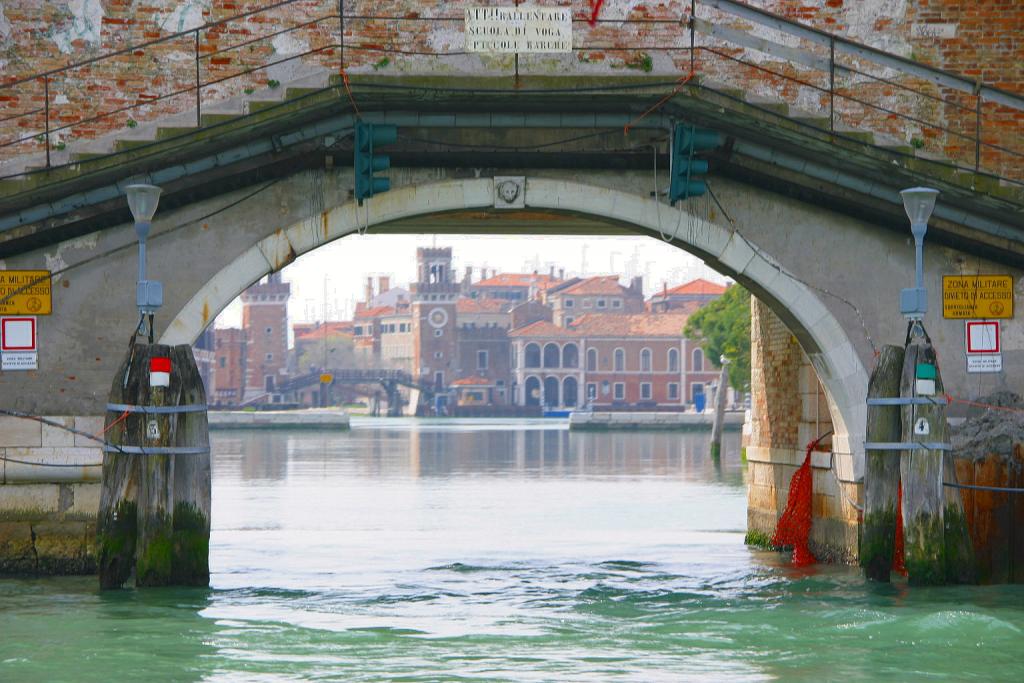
(908, 401)
(157, 410)
(156, 450)
(906, 446)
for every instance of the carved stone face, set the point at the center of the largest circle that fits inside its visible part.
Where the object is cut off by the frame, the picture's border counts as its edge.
(508, 191)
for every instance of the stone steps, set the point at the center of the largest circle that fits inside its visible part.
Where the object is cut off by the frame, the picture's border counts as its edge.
(315, 87)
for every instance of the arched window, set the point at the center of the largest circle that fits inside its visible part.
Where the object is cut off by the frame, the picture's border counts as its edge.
(698, 360)
(673, 360)
(645, 360)
(551, 392)
(532, 392)
(551, 355)
(570, 356)
(569, 390)
(531, 357)
(591, 360)
(620, 360)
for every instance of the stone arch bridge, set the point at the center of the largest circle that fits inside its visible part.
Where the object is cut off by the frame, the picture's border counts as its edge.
(806, 215)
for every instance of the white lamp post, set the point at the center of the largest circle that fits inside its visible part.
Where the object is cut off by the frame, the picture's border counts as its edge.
(143, 200)
(919, 203)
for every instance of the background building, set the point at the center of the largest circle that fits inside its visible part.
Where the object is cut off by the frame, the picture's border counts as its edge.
(265, 320)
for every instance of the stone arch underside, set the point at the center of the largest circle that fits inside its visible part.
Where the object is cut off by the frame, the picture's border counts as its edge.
(820, 334)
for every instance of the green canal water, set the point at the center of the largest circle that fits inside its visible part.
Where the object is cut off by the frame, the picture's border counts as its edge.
(469, 551)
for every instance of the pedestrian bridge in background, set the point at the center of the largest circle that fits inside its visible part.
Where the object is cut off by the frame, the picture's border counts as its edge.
(803, 207)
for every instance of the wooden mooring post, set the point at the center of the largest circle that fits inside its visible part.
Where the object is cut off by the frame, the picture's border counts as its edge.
(154, 517)
(718, 421)
(882, 467)
(937, 545)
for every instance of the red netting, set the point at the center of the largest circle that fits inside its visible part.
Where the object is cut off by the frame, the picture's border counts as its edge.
(897, 550)
(794, 527)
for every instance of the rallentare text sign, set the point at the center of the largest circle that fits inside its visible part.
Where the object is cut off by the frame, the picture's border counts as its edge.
(518, 29)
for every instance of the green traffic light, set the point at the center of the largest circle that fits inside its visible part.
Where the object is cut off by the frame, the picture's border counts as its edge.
(685, 180)
(365, 163)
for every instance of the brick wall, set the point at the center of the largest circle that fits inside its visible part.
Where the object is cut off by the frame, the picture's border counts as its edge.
(775, 364)
(265, 321)
(977, 39)
(789, 410)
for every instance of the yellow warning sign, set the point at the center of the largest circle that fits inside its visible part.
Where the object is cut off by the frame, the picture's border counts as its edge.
(977, 296)
(25, 292)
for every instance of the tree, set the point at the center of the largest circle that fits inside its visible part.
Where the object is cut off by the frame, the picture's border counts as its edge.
(722, 327)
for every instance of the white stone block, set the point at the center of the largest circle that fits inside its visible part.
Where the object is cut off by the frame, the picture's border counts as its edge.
(90, 424)
(86, 499)
(55, 436)
(32, 498)
(71, 465)
(15, 431)
(737, 254)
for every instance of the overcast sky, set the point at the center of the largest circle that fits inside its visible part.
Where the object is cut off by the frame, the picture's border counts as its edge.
(341, 268)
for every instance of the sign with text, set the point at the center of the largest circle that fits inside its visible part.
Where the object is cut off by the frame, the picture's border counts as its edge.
(984, 362)
(25, 292)
(18, 344)
(977, 296)
(982, 336)
(518, 29)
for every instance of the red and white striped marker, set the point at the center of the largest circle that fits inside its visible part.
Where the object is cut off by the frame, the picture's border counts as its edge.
(159, 372)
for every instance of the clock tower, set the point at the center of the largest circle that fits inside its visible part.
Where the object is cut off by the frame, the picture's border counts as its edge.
(433, 317)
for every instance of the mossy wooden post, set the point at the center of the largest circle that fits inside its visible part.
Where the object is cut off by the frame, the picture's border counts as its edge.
(156, 481)
(961, 565)
(937, 547)
(190, 562)
(882, 467)
(921, 476)
(116, 521)
(719, 419)
(1017, 520)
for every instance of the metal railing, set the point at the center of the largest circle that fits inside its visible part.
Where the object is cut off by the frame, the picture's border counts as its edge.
(940, 89)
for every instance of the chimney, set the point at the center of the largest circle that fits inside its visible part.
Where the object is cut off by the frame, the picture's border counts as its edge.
(368, 292)
(561, 273)
(637, 285)
(664, 289)
(552, 273)
(383, 284)
(468, 279)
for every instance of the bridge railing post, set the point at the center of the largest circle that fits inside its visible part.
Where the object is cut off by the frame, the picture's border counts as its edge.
(832, 84)
(46, 115)
(977, 129)
(199, 85)
(692, 22)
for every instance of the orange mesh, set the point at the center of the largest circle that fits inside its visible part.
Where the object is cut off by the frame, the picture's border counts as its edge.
(794, 527)
(897, 550)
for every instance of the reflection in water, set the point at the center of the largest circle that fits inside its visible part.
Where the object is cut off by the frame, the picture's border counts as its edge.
(463, 550)
(421, 448)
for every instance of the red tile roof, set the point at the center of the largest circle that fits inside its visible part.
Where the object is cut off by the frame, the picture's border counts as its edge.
(597, 325)
(375, 312)
(467, 305)
(307, 331)
(602, 284)
(698, 286)
(516, 280)
(542, 328)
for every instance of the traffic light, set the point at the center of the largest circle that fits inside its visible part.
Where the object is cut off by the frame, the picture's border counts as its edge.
(686, 170)
(365, 163)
